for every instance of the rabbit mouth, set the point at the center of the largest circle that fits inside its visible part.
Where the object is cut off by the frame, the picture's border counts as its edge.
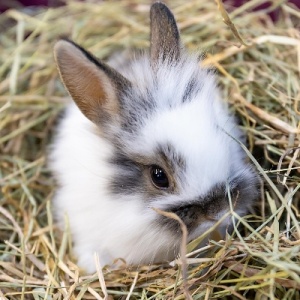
(193, 216)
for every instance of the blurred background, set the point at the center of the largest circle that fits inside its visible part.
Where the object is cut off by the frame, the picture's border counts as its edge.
(6, 4)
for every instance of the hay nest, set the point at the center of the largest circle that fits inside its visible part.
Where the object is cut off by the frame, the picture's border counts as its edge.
(258, 65)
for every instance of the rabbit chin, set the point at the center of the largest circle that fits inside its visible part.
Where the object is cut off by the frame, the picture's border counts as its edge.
(134, 248)
(138, 243)
(148, 249)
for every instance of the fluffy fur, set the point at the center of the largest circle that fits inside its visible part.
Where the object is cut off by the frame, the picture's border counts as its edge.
(172, 116)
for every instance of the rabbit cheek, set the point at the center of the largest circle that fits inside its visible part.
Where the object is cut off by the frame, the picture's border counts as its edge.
(128, 178)
(246, 189)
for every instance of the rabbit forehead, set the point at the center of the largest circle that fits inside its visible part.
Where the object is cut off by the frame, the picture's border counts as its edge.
(164, 87)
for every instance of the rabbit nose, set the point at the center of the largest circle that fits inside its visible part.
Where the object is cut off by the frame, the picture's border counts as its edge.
(191, 215)
(194, 214)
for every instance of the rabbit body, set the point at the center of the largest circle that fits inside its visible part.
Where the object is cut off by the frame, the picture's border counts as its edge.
(151, 133)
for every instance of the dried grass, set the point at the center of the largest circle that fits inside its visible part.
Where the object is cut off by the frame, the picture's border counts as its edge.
(259, 78)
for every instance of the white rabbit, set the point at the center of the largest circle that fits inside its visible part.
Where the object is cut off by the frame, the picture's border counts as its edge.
(153, 133)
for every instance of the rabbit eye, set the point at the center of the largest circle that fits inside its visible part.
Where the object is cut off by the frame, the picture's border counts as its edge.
(159, 177)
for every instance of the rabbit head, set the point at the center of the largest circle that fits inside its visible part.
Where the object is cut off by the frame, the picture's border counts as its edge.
(152, 132)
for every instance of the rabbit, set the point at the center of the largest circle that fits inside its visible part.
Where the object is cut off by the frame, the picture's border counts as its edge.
(152, 132)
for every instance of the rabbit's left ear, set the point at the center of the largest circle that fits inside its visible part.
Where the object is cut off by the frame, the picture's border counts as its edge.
(164, 37)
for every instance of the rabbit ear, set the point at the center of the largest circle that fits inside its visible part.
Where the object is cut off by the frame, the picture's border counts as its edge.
(164, 36)
(93, 85)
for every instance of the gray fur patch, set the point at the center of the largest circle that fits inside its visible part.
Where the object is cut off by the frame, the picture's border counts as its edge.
(128, 179)
(192, 88)
(174, 160)
(132, 172)
(135, 104)
(193, 212)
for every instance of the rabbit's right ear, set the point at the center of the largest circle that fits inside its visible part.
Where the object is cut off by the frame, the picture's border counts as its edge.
(164, 36)
(94, 86)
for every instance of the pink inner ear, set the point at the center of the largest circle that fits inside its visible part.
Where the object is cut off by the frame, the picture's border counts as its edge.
(88, 85)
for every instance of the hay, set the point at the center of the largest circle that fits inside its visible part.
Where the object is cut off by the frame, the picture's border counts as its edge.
(259, 78)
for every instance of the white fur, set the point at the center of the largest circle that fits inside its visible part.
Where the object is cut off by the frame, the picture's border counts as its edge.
(119, 226)
(125, 226)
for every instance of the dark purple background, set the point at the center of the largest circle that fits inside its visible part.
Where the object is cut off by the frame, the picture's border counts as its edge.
(5, 4)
